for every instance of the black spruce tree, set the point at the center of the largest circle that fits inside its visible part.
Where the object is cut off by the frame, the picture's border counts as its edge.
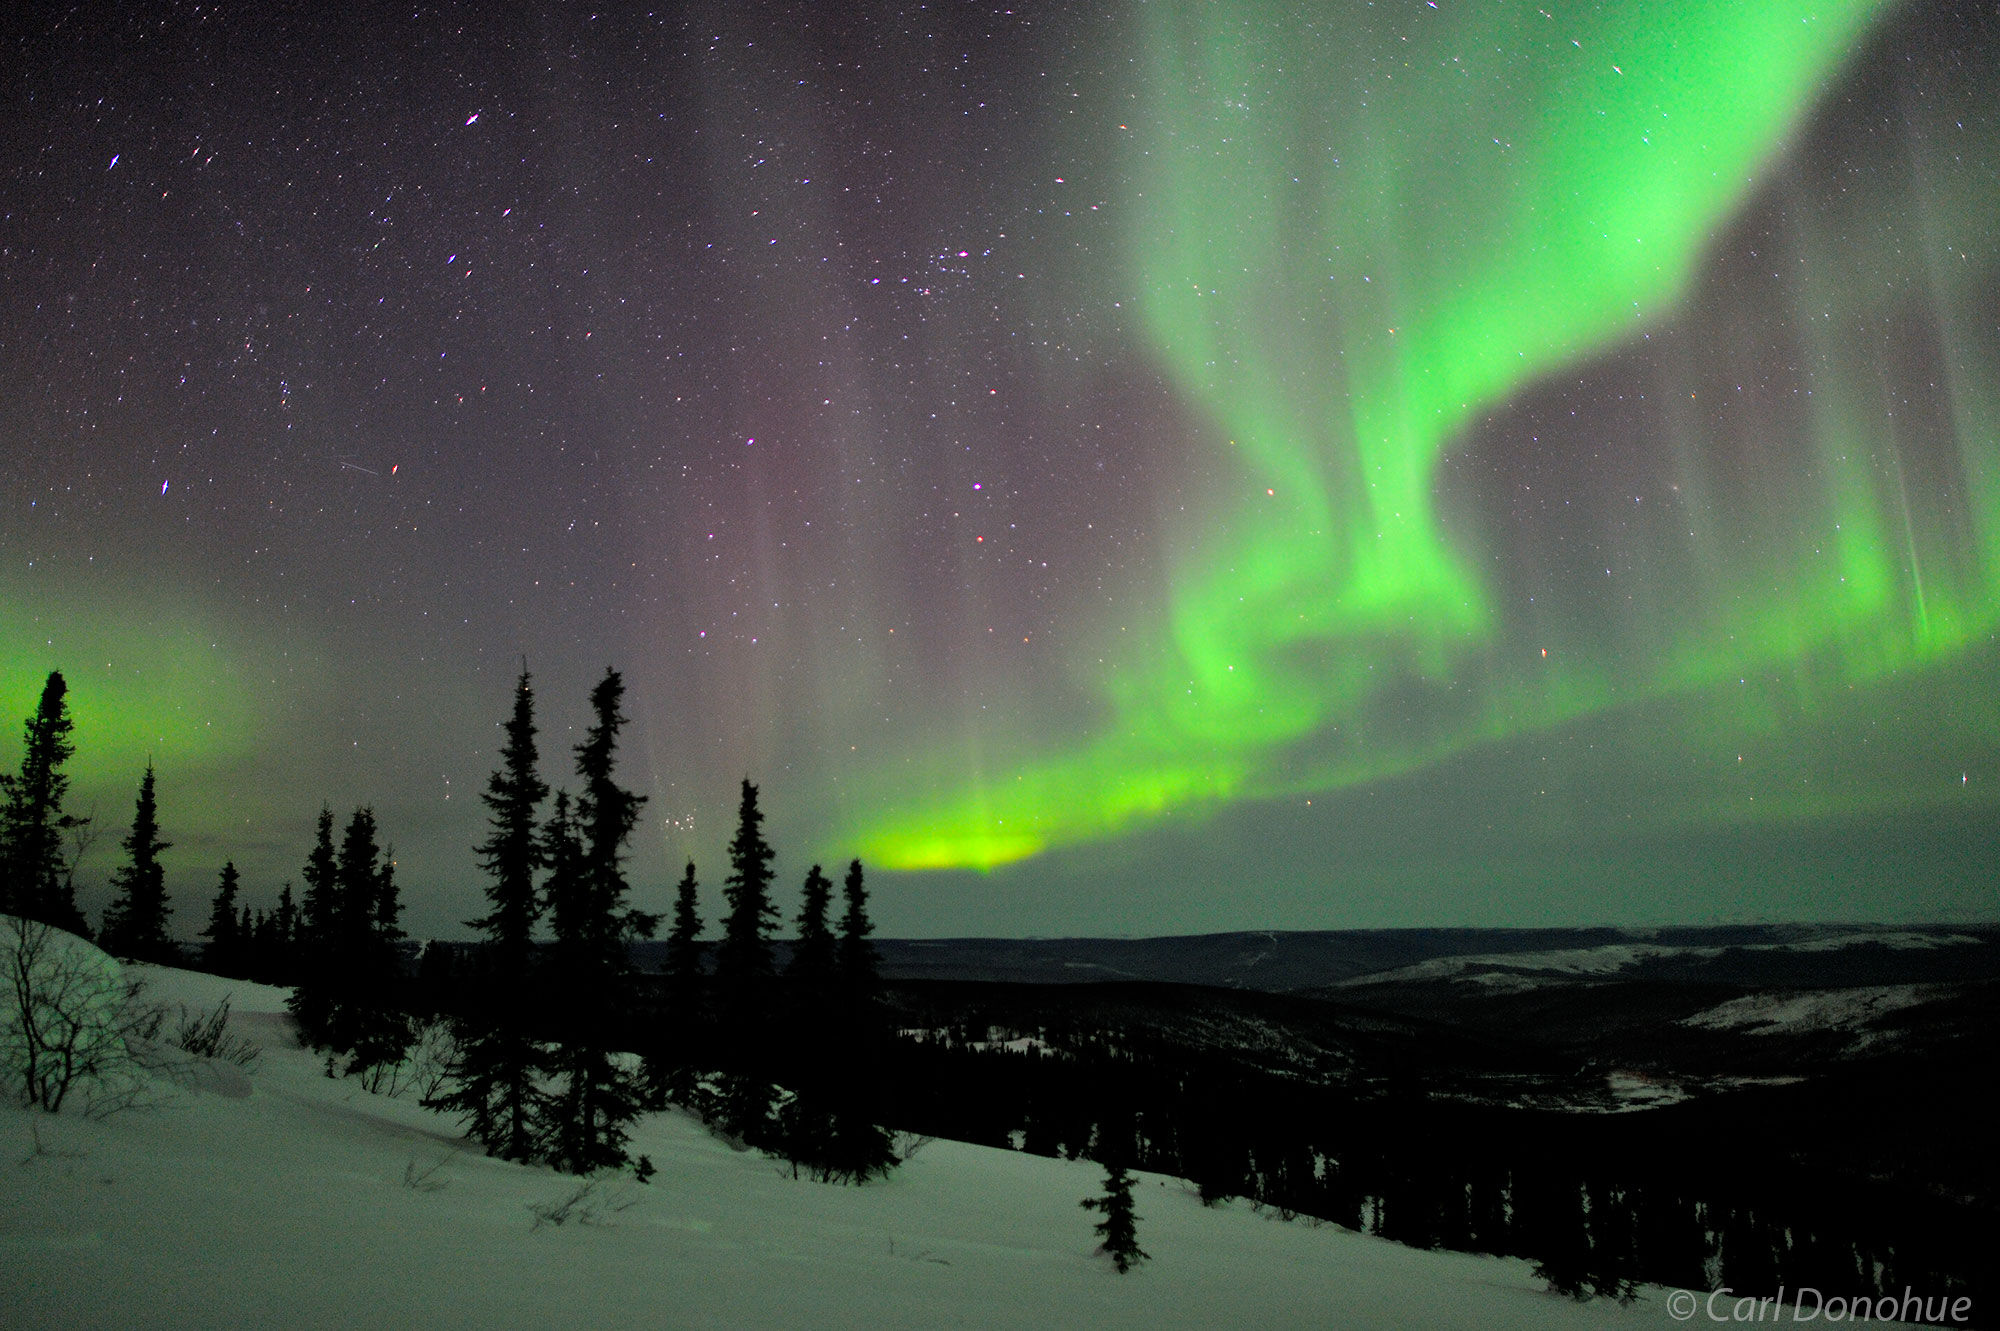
(276, 944)
(33, 881)
(348, 1001)
(677, 1045)
(596, 1097)
(494, 1084)
(228, 929)
(848, 1065)
(135, 923)
(743, 976)
(812, 967)
(859, 963)
(811, 1034)
(313, 940)
(369, 1026)
(1119, 1229)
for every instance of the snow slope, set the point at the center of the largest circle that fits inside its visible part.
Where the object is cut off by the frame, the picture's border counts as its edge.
(1787, 1012)
(1513, 971)
(286, 1199)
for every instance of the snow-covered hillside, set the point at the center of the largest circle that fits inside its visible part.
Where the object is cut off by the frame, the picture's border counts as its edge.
(1517, 970)
(1849, 1010)
(286, 1199)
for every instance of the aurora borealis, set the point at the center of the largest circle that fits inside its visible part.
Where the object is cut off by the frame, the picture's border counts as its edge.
(1159, 469)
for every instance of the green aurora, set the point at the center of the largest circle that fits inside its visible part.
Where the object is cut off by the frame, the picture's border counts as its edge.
(1353, 244)
(1224, 466)
(156, 683)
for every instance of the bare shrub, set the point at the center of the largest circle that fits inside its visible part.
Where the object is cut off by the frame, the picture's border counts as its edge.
(434, 1052)
(907, 1144)
(423, 1069)
(594, 1201)
(389, 1079)
(69, 1025)
(207, 1035)
(430, 1177)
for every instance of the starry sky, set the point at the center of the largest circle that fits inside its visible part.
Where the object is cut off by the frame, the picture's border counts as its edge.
(1121, 468)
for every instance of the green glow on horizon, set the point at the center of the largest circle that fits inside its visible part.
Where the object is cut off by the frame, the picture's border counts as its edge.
(144, 685)
(1349, 245)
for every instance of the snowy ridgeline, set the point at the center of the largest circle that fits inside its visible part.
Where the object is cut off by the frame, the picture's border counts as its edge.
(285, 1198)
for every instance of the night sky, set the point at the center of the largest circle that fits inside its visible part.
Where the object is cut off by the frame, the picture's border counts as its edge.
(1116, 468)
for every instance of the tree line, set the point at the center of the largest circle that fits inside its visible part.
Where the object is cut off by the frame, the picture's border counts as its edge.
(1731, 1191)
(42, 844)
(781, 1061)
(548, 1005)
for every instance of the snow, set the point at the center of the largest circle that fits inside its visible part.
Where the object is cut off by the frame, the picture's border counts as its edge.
(1633, 1090)
(90, 976)
(81, 988)
(1901, 940)
(997, 1040)
(1814, 1009)
(1607, 959)
(1510, 972)
(285, 1198)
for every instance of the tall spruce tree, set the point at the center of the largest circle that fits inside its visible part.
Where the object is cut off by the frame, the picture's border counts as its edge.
(314, 940)
(860, 965)
(678, 1035)
(494, 1085)
(597, 1098)
(744, 972)
(349, 998)
(388, 900)
(368, 1025)
(683, 962)
(228, 929)
(860, 1148)
(814, 957)
(607, 814)
(743, 958)
(278, 943)
(33, 881)
(321, 876)
(811, 1035)
(135, 923)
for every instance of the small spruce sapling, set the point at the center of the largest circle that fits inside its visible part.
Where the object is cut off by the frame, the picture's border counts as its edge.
(1120, 1226)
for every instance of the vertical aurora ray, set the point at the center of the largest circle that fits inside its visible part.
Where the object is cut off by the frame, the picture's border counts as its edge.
(1358, 234)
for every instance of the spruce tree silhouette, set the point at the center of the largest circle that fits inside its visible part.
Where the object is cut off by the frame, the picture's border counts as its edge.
(367, 1024)
(33, 881)
(493, 1086)
(861, 1147)
(349, 997)
(314, 940)
(814, 956)
(278, 946)
(677, 1040)
(226, 932)
(135, 923)
(683, 962)
(1119, 1229)
(812, 1032)
(859, 963)
(743, 975)
(590, 1112)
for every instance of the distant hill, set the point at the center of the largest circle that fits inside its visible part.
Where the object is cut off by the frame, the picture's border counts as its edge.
(1281, 961)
